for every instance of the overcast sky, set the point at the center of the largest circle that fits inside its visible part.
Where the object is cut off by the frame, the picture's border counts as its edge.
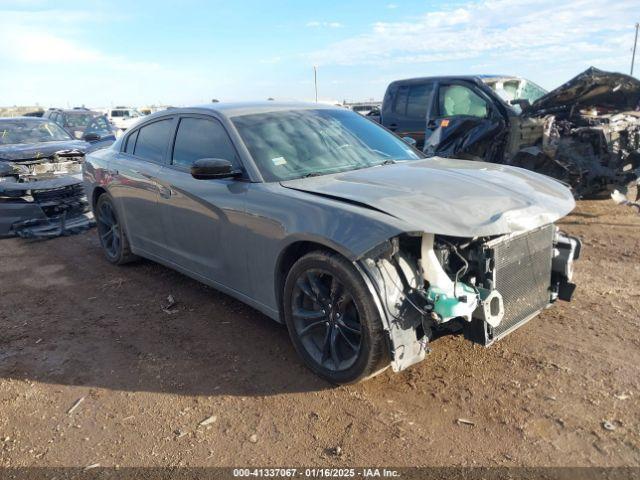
(101, 53)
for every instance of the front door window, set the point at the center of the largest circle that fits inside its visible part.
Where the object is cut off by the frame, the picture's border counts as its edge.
(458, 100)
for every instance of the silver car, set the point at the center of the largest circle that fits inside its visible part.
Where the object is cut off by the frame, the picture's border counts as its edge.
(328, 222)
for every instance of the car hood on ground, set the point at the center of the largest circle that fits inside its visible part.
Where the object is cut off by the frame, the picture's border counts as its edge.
(593, 87)
(29, 151)
(450, 197)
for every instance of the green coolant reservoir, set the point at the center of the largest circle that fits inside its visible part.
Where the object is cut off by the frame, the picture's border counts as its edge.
(448, 306)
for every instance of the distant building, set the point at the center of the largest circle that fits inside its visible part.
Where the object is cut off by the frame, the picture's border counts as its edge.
(17, 111)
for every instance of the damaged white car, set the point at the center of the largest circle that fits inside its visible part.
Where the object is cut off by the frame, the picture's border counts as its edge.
(327, 222)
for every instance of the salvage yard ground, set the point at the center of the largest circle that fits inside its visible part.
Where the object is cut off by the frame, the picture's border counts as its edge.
(210, 381)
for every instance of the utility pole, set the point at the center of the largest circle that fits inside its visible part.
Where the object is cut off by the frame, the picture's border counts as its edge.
(635, 43)
(315, 75)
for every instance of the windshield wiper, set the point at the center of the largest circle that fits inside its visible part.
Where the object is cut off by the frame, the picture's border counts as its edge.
(312, 174)
(388, 162)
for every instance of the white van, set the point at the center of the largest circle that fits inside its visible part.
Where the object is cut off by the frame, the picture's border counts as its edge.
(122, 118)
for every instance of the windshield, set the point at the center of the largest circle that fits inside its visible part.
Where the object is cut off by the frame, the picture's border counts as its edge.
(532, 92)
(26, 131)
(299, 143)
(517, 89)
(131, 113)
(82, 123)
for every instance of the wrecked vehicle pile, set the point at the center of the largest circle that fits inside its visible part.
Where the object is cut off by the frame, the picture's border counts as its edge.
(588, 133)
(41, 192)
(585, 133)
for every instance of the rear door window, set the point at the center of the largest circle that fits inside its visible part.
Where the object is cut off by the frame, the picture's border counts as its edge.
(400, 103)
(418, 101)
(199, 138)
(458, 100)
(153, 140)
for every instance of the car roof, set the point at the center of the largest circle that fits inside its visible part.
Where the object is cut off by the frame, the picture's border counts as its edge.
(78, 111)
(234, 109)
(24, 119)
(471, 78)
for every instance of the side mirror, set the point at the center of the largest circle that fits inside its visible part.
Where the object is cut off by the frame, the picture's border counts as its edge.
(522, 102)
(208, 168)
(410, 141)
(91, 137)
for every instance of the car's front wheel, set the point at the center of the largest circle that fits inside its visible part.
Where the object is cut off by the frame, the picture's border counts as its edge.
(332, 319)
(113, 237)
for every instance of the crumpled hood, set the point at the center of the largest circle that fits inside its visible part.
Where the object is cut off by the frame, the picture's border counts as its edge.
(450, 197)
(593, 87)
(30, 151)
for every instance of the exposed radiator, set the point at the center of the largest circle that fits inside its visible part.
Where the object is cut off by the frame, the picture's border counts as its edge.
(522, 275)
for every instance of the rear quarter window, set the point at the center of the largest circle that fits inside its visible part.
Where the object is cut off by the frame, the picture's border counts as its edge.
(131, 142)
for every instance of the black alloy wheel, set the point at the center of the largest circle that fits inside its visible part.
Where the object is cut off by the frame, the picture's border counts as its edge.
(326, 319)
(333, 320)
(113, 238)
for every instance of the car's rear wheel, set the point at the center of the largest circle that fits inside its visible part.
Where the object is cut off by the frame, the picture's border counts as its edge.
(113, 237)
(332, 319)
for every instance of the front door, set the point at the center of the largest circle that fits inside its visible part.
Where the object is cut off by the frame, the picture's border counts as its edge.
(464, 123)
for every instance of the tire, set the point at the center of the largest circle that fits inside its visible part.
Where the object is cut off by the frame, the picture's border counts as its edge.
(325, 301)
(111, 233)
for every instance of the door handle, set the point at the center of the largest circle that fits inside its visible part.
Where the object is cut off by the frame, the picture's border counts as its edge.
(393, 127)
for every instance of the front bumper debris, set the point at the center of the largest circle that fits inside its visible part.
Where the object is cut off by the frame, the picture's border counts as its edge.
(58, 227)
(428, 286)
(44, 208)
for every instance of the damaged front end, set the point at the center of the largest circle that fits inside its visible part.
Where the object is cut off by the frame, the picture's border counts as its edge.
(44, 197)
(431, 285)
(585, 133)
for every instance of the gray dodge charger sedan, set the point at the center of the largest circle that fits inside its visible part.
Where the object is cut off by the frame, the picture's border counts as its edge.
(329, 223)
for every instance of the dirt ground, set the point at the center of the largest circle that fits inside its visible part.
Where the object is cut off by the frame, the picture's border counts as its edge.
(562, 390)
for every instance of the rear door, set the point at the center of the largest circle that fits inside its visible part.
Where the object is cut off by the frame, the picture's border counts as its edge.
(463, 122)
(135, 188)
(203, 219)
(407, 107)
